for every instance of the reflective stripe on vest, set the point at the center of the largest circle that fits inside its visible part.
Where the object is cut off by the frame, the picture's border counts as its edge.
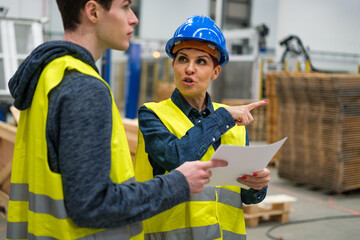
(36, 204)
(202, 233)
(110, 234)
(219, 207)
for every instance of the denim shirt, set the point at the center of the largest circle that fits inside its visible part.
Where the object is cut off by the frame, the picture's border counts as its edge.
(166, 152)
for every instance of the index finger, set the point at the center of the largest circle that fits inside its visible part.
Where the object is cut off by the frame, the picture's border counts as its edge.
(215, 163)
(253, 105)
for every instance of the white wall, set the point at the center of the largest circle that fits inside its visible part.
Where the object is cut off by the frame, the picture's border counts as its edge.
(266, 12)
(36, 9)
(328, 25)
(55, 23)
(160, 18)
(23, 8)
(322, 25)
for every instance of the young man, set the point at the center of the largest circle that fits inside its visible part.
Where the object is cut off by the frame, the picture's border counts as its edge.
(72, 175)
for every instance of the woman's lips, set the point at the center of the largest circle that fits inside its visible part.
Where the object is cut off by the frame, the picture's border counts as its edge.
(188, 81)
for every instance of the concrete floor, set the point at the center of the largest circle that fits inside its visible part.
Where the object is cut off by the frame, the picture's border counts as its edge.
(310, 204)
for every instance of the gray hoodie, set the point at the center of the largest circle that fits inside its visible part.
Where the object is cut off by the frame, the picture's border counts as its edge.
(78, 135)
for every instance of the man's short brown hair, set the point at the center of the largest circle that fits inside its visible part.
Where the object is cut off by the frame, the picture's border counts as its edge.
(70, 11)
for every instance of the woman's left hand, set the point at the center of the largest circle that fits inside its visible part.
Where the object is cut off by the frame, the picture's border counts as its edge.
(257, 181)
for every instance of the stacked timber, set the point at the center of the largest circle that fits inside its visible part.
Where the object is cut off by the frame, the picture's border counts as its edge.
(320, 115)
(272, 108)
(272, 111)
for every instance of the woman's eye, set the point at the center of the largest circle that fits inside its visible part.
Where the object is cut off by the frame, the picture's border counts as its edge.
(201, 61)
(182, 59)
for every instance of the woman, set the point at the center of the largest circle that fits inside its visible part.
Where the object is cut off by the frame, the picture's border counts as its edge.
(189, 126)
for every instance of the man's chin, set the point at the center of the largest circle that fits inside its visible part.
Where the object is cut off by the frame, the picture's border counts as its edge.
(122, 47)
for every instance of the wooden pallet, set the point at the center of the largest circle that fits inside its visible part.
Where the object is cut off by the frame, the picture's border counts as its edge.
(273, 208)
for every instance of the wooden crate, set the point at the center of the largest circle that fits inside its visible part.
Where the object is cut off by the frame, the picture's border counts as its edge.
(273, 208)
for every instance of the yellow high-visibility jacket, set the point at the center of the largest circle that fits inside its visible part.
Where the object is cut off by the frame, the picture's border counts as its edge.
(36, 204)
(216, 213)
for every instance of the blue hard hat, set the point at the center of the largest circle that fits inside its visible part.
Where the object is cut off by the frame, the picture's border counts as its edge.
(200, 28)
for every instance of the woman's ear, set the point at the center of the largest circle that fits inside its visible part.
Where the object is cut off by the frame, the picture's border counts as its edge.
(216, 72)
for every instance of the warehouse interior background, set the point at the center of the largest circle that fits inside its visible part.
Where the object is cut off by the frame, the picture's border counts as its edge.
(327, 30)
(304, 56)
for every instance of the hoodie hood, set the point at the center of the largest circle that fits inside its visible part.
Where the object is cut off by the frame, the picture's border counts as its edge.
(23, 84)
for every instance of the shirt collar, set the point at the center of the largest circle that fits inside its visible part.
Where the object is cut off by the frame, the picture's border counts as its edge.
(184, 106)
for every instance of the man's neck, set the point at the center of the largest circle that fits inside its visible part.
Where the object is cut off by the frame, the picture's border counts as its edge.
(85, 39)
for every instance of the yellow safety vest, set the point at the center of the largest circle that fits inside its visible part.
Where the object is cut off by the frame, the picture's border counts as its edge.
(216, 213)
(36, 205)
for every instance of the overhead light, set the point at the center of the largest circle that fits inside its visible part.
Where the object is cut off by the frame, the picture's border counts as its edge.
(156, 54)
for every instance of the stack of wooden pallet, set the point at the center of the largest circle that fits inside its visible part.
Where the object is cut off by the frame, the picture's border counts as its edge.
(272, 108)
(320, 114)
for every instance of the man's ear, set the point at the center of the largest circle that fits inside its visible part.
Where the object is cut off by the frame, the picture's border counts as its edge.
(216, 72)
(91, 11)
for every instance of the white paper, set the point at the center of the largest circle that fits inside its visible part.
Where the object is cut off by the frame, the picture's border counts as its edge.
(243, 160)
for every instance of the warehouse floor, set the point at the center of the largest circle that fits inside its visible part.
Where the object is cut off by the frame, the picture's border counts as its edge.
(341, 210)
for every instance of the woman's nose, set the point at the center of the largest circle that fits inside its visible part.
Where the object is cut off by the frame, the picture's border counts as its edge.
(190, 68)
